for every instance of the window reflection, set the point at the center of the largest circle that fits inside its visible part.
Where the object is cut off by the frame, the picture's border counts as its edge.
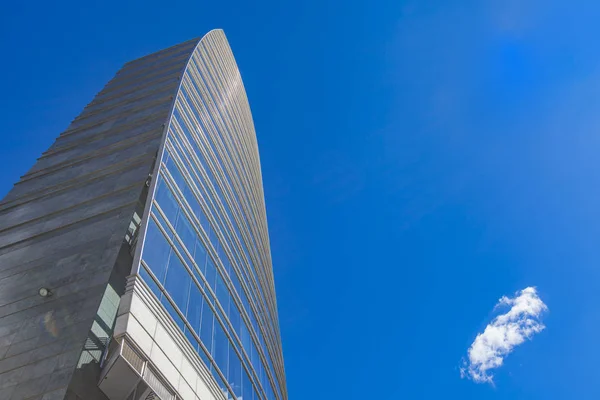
(187, 208)
(166, 201)
(177, 283)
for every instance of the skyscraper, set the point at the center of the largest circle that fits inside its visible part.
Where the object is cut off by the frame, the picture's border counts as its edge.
(134, 255)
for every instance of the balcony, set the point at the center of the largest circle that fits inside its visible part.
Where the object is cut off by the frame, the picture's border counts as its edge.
(127, 375)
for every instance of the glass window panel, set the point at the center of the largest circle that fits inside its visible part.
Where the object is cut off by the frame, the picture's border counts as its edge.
(236, 282)
(175, 173)
(220, 348)
(178, 282)
(247, 388)
(148, 279)
(245, 337)
(186, 259)
(255, 326)
(211, 233)
(162, 223)
(246, 305)
(222, 293)
(165, 302)
(270, 394)
(211, 273)
(261, 375)
(191, 338)
(234, 317)
(186, 233)
(194, 309)
(200, 255)
(203, 357)
(195, 206)
(218, 378)
(165, 158)
(223, 318)
(235, 372)
(206, 328)
(156, 251)
(166, 201)
(255, 359)
(199, 277)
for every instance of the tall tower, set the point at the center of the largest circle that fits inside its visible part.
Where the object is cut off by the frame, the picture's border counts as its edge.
(134, 255)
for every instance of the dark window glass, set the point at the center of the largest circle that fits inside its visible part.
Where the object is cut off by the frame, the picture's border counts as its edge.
(156, 251)
(178, 282)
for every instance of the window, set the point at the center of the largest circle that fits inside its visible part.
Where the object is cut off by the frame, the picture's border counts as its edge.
(166, 201)
(234, 318)
(148, 279)
(175, 173)
(220, 348)
(191, 338)
(169, 307)
(186, 233)
(222, 293)
(235, 371)
(200, 255)
(245, 337)
(194, 309)
(211, 273)
(177, 283)
(206, 327)
(156, 251)
(247, 388)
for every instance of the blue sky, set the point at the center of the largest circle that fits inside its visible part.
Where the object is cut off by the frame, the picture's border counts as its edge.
(421, 159)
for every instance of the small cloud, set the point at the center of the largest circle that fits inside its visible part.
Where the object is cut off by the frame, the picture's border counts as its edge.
(503, 334)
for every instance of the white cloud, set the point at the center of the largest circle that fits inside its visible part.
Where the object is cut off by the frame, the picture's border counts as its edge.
(503, 334)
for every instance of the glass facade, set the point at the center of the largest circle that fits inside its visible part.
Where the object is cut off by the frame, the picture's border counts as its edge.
(206, 253)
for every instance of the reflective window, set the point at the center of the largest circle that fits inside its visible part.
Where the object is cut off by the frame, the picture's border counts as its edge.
(166, 201)
(171, 310)
(207, 327)
(194, 310)
(220, 350)
(186, 233)
(177, 283)
(212, 264)
(156, 251)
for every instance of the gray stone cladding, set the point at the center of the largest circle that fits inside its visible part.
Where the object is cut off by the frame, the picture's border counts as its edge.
(63, 227)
